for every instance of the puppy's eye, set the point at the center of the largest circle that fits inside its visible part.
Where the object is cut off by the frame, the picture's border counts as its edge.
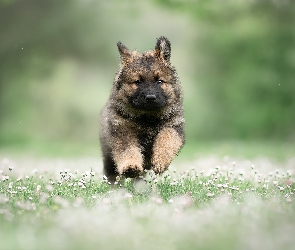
(160, 81)
(137, 81)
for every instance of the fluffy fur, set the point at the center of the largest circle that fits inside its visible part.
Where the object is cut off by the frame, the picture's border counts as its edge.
(142, 124)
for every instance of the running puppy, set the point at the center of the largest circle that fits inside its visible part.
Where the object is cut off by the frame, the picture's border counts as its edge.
(142, 124)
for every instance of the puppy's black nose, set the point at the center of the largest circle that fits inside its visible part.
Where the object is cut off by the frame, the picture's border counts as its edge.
(150, 97)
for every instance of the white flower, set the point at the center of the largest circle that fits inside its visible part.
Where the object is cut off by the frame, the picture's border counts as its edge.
(80, 184)
(128, 195)
(5, 178)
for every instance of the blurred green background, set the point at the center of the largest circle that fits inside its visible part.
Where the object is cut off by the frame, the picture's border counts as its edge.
(235, 59)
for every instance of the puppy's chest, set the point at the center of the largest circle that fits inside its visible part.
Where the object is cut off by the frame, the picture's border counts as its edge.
(146, 136)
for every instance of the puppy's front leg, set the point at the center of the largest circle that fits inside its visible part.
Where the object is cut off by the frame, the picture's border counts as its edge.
(127, 154)
(166, 146)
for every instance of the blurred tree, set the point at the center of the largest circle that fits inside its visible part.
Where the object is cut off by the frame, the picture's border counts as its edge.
(245, 57)
(34, 36)
(242, 62)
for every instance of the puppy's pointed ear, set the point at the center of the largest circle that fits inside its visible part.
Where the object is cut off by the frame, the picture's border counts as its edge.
(163, 48)
(123, 50)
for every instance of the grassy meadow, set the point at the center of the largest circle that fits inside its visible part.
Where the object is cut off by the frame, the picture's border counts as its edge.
(211, 202)
(231, 187)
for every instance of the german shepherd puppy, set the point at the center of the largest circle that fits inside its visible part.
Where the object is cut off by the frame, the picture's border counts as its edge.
(142, 124)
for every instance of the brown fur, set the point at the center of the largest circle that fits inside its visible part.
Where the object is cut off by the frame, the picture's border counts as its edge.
(142, 124)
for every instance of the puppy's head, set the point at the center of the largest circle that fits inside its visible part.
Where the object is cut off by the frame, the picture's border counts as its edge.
(146, 82)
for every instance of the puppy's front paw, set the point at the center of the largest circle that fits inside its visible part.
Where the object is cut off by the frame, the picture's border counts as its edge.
(158, 169)
(132, 171)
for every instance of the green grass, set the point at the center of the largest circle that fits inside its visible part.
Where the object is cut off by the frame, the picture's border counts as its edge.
(68, 204)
